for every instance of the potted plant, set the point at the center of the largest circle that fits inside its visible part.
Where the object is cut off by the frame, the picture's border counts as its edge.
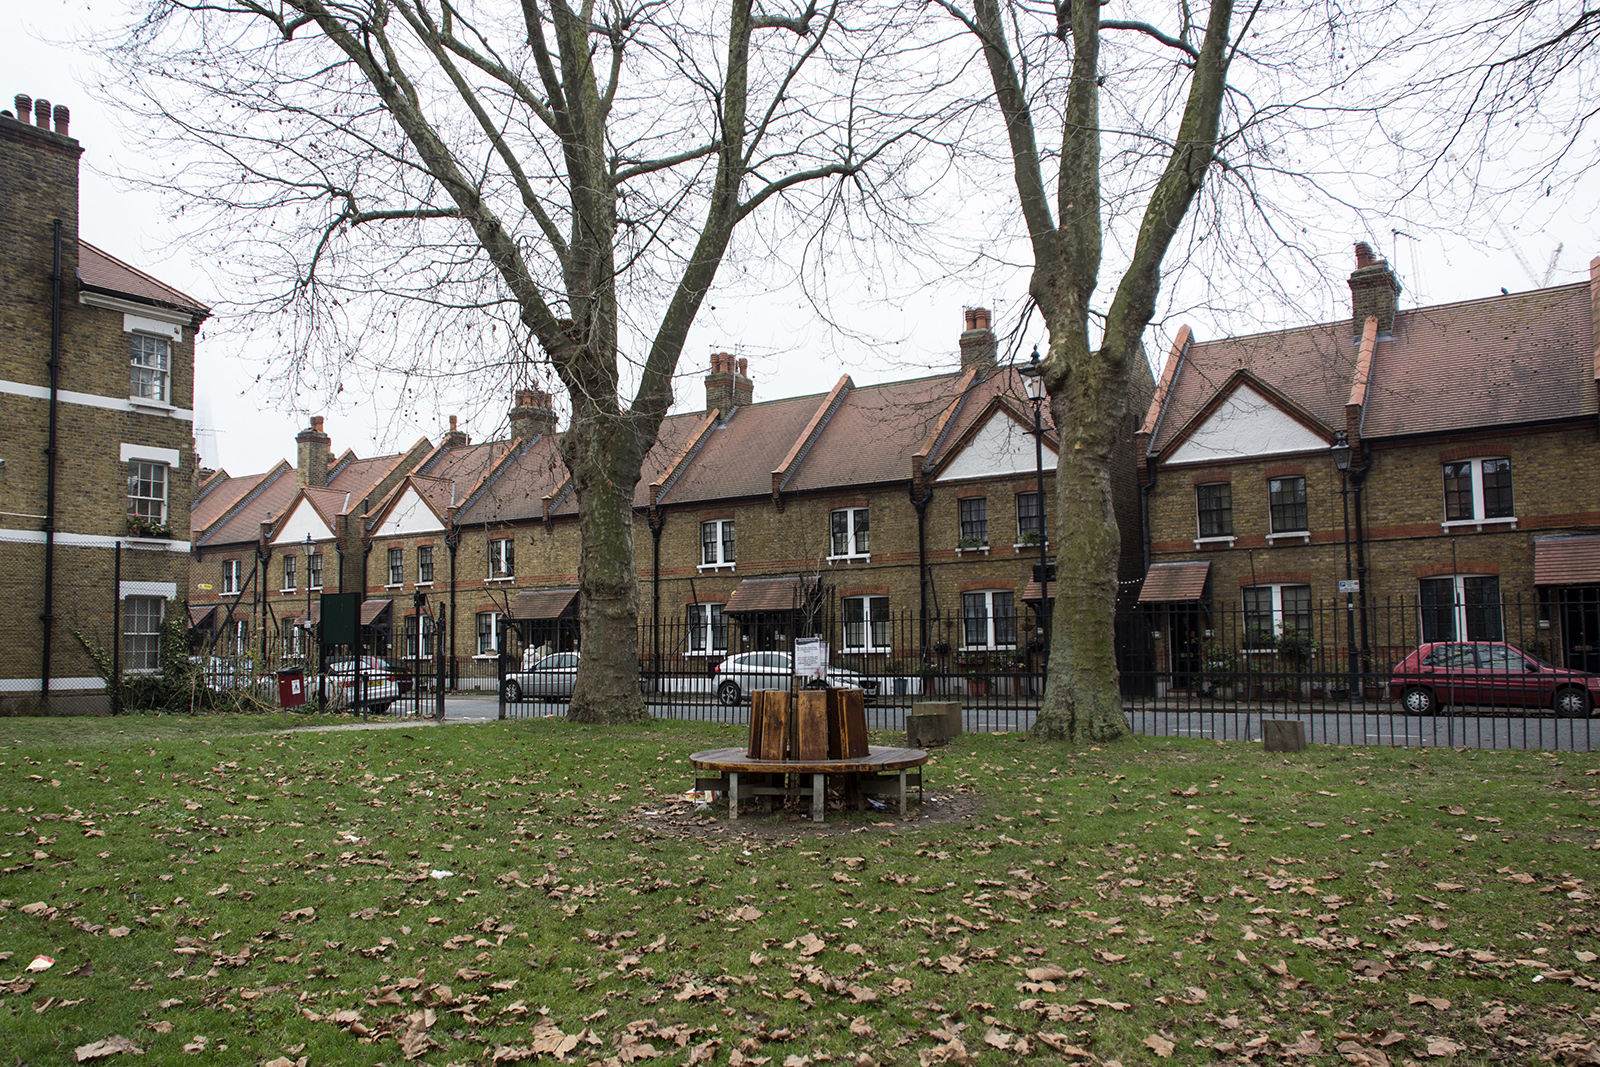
(1296, 648)
(1030, 537)
(1219, 667)
(968, 544)
(139, 526)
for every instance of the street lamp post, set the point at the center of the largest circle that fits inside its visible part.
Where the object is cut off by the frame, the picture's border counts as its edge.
(1341, 461)
(1033, 382)
(305, 625)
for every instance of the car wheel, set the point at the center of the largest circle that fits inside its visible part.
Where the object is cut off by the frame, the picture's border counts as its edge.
(728, 694)
(512, 692)
(379, 709)
(1418, 701)
(1572, 703)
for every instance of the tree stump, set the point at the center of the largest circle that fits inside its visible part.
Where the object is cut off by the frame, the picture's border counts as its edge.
(1283, 735)
(927, 729)
(951, 709)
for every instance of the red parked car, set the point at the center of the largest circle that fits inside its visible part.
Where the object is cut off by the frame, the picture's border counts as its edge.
(1489, 673)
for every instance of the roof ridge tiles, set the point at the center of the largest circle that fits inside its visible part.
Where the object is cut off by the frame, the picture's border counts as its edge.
(268, 479)
(791, 462)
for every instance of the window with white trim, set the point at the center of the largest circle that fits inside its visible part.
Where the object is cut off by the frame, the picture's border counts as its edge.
(1030, 519)
(288, 572)
(314, 570)
(232, 576)
(1213, 504)
(150, 368)
(849, 534)
(489, 630)
(1271, 609)
(502, 558)
(419, 636)
(141, 633)
(716, 543)
(708, 629)
(1477, 489)
(1286, 502)
(397, 566)
(989, 619)
(974, 513)
(1461, 607)
(424, 564)
(236, 637)
(866, 623)
(147, 491)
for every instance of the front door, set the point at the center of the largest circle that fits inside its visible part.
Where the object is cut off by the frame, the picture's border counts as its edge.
(1187, 628)
(1580, 628)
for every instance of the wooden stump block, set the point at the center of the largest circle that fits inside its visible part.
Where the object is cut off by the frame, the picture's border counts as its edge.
(927, 729)
(951, 709)
(811, 725)
(847, 724)
(769, 724)
(1283, 735)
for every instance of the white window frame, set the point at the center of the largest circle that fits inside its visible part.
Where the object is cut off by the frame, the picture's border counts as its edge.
(1459, 608)
(150, 368)
(314, 570)
(707, 630)
(236, 638)
(143, 645)
(289, 575)
(136, 470)
(869, 612)
(496, 628)
(395, 568)
(232, 576)
(424, 574)
(990, 643)
(1479, 507)
(419, 636)
(856, 532)
(1044, 521)
(1277, 608)
(725, 539)
(502, 559)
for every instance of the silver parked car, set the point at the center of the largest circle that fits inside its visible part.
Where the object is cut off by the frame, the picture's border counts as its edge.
(737, 676)
(547, 678)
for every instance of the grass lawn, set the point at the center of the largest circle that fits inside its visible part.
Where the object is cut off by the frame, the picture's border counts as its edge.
(539, 891)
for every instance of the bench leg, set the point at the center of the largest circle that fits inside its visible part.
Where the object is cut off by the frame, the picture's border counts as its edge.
(819, 797)
(733, 795)
(902, 792)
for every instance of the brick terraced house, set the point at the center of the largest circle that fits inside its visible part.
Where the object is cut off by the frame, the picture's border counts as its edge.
(96, 396)
(1464, 438)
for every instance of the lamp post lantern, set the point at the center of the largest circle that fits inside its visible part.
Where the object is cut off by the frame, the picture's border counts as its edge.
(1033, 383)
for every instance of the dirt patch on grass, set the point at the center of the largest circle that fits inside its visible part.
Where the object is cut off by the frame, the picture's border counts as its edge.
(682, 818)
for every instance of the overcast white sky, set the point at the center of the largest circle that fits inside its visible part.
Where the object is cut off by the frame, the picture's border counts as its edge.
(245, 430)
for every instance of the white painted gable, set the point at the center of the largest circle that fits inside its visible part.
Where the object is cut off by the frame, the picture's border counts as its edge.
(410, 515)
(1247, 424)
(302, 520)
(999, 449)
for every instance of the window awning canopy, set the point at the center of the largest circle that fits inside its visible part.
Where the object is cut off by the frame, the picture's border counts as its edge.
(1030, 592)
(762, 595)
(372, 610)
(202, 616)
(1566, 561)
(1166, 583)
(540, 605)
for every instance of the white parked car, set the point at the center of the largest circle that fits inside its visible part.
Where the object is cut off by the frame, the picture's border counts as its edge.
(738, 676)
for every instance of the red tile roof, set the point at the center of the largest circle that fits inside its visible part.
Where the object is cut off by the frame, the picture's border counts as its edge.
(1566, 561)
(1168, 582)
(763, 595)
(541, 604)
(100, 270)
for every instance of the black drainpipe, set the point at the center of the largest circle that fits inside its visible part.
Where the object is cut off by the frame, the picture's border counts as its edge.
(922, 563)
(452, 539)
(1360, 481)
(47, 617)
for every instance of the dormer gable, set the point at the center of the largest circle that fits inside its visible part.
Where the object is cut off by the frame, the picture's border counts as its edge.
(1247, 419)
(998, 444)
(409, 513)
(301, 520)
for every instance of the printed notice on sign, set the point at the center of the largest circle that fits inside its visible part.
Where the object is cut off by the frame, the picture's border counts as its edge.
(811, 658)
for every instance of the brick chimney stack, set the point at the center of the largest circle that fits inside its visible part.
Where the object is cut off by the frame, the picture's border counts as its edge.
(455, 438)
(977, 340)
(312, 455)
(728, 385)
(1374, 291)
(532, 415)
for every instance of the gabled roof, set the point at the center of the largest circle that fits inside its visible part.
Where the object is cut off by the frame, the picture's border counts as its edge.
(99, 271)
(219, 495)
(269, 499)
(1502, 361)
(514, 488)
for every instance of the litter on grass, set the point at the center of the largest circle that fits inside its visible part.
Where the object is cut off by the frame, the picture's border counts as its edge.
(41, 963)
(440, 876)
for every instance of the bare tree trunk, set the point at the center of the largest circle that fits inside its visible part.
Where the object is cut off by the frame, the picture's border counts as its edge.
(602, 453)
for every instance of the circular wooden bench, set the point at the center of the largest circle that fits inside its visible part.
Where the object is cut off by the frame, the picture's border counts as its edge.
(880, 771)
